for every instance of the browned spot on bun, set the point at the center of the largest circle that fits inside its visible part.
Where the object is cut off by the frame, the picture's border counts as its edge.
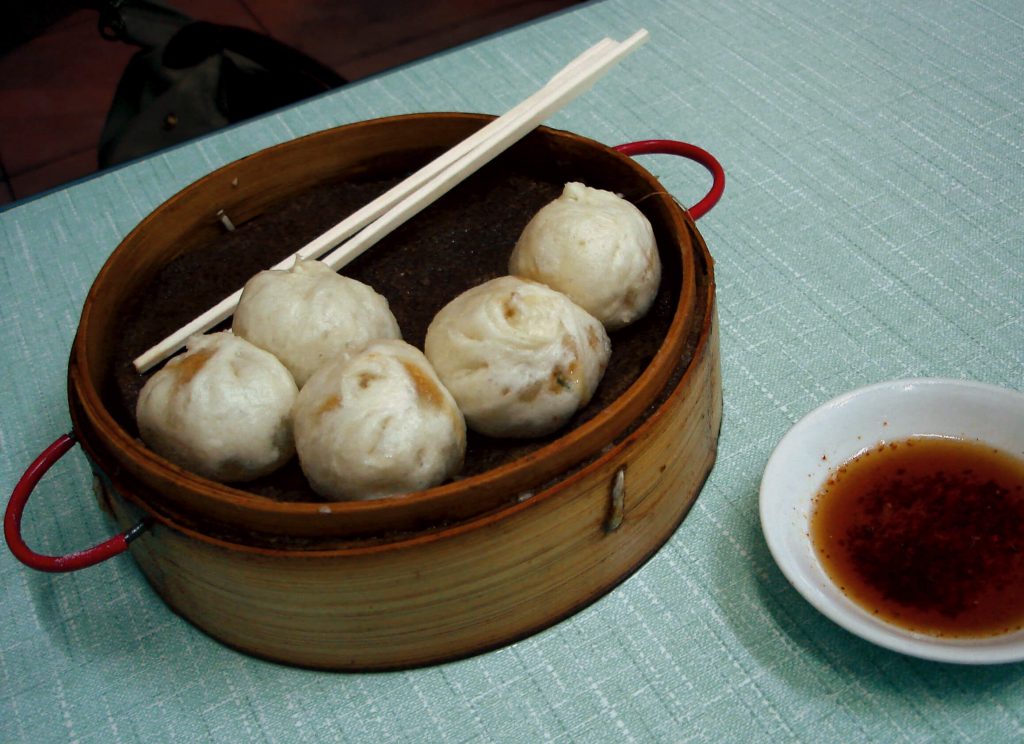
(426, 389)
(530, 392)
(332, 402)
(564, 378)
(508, 309)
(188, 366)
(365, 378)
(629, 299)
(593, 340)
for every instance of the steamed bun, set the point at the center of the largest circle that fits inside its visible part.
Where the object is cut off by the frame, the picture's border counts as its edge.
(595, 247)
(222, 409)
(519, 357)
(377, 423)
(308, 314)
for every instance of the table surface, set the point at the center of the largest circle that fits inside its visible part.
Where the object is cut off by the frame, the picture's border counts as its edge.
(872, 228)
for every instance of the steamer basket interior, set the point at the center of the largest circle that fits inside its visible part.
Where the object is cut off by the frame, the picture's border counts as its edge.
(418, 276)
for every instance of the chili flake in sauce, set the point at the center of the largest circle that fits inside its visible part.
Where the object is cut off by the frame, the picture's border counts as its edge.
(928, 534)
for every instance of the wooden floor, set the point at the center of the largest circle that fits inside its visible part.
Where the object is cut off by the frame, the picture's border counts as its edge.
(56, 87)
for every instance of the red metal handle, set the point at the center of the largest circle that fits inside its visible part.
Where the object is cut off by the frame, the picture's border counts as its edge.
(16, 506)
(691, 152)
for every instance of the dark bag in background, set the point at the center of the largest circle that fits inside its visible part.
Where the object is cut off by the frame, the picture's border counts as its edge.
(193, 77)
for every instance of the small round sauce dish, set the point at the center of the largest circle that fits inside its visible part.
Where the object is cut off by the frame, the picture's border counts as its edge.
(827, 444)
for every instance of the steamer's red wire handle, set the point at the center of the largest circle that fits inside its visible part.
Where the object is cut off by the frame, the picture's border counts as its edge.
(16, 506)
(691, 152)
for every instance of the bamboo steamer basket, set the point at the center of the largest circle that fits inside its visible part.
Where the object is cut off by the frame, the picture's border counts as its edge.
(447, 572)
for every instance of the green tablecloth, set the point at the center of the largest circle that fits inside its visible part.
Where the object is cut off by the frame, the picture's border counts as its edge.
(872, 228)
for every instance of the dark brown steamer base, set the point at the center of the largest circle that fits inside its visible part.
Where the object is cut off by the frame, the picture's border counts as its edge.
(528, 534)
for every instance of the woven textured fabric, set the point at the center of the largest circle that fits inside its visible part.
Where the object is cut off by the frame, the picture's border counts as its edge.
(872, 228)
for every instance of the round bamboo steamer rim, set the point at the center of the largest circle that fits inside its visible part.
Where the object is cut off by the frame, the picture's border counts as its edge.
(271, 175)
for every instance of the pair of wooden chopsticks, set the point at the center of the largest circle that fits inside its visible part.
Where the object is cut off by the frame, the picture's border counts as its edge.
(384, 214)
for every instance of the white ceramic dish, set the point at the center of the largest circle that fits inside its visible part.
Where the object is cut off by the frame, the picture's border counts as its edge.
(839, 430)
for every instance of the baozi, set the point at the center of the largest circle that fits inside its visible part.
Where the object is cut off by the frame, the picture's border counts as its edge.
(595, 247)
(377, 423)
(308, 314)
(222, 409)
(519, 358)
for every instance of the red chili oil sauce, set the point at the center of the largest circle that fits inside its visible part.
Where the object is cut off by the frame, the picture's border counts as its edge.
(928, 534)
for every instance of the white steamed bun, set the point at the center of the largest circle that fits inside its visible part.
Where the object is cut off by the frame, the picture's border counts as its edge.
(377, 423)
(222, 409)
(595, 247)
(308, 314)
(519, 357)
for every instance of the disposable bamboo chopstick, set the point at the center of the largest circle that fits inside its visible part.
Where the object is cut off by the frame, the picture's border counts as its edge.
(540, 108)
(393, 208)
